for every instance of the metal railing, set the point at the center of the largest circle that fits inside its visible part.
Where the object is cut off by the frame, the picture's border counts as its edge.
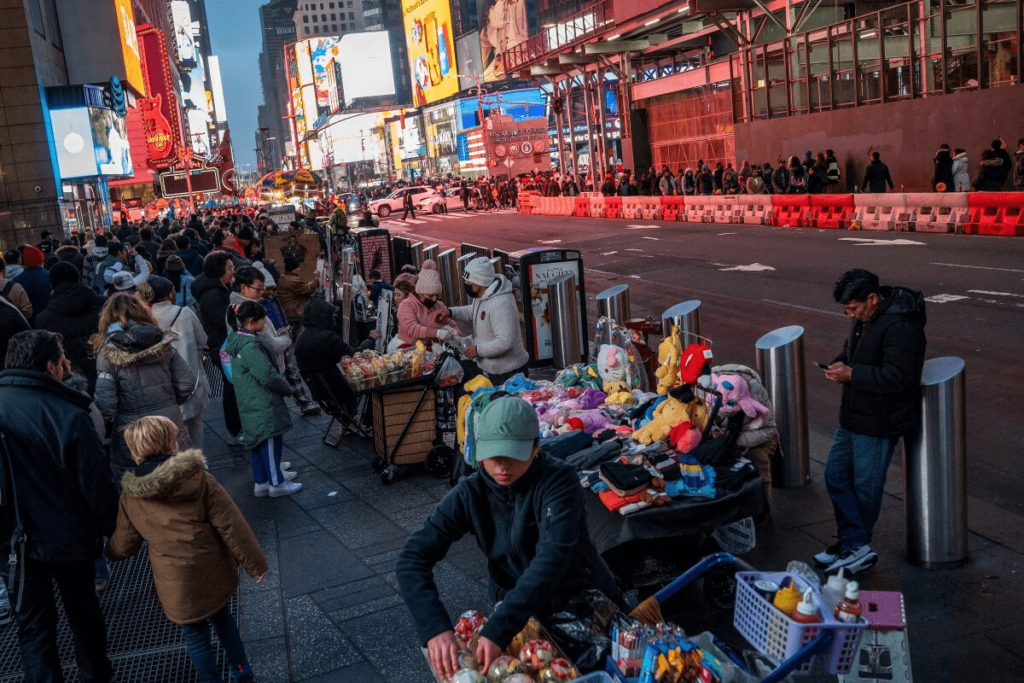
(567, 33)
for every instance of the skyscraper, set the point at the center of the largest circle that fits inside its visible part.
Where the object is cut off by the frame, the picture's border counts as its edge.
(277, 29)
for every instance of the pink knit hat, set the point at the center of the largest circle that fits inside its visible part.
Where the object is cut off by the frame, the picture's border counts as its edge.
(429, 282)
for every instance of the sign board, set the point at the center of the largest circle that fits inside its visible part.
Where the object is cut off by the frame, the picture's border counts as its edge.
(160, 111)
(300, 245)
(515, 147)
(282, 215)
(174, 184)
(538, 267)
(429, 36)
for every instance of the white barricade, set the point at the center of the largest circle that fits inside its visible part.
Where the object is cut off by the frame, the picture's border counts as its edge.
(724, 208)
(699, 209)
(935, 212)
(755, 209)
(597, 207)
(633, 207)
(650, 208)
(878, 211)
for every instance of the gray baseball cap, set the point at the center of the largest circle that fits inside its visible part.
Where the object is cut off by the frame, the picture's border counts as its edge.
(507, 427)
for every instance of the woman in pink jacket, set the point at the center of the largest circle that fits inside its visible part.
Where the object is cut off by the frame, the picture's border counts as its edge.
(419, 316)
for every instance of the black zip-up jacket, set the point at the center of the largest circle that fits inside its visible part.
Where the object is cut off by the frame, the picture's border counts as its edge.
(876, 177)
(886, 354)
(65, 493)
(213, 299)
(320, 347)
(535, 536)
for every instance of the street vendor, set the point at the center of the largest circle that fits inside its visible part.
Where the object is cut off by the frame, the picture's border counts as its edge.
(498, 345)
(527, 512)
(420, 316)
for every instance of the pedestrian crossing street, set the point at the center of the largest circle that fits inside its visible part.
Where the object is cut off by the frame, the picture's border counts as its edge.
(395, 219)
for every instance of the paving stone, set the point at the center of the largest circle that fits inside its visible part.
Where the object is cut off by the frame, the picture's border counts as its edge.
(377, 549)
(260, 616)
(316, 561)
(315, 645)
(392, 499)
(320, 490)
(412, 519)
(357, 524)
(357, 673)
(268, 659)
(388, 640)
(351, 594)
(362, 609)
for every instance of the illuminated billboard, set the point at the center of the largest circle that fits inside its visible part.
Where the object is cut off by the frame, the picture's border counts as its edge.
(90, 141)
(218, 90)
(503, 25)
(428, 34)
(185, 44)
(111, 149)
(366, 70)
(130, 46)
(515, 147)
(315, 80)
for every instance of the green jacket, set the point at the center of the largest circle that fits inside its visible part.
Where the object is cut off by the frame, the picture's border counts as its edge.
(259, 388)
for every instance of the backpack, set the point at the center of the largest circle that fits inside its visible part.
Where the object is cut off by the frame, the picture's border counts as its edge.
(225, 361)
(7, 290)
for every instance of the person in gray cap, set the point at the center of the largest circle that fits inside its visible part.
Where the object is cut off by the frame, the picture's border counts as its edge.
(527, 512)
(498, 344)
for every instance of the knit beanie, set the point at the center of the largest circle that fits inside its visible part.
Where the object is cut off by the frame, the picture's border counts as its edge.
(174, 264)
(429, 283)
(31, 257)
(480, 271)
(162, 287)
(63, 272)
(406, 277)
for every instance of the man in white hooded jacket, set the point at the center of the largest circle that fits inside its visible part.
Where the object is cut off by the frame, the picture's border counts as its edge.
(498, 343)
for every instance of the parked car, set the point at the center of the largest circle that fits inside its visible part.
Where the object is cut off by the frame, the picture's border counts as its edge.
(393, 202)
(452, 198)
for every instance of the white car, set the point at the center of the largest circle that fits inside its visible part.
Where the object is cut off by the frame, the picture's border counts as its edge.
(394, 201)
(451, 198)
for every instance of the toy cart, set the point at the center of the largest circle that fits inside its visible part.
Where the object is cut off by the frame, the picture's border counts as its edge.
(790, 645)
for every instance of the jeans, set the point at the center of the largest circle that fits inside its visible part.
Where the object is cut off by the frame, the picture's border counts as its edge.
(200, 646)
(266, 461)
(37, 621)
(855, 480)
(102, 570)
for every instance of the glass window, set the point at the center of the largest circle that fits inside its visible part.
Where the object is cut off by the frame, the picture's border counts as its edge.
(305, 30)
(323, 18)
(305, 19)
(316, 29)
(330, 5)
(51, 20)
(334, 27)
(352, 16)
(333, 17)
(344, 27)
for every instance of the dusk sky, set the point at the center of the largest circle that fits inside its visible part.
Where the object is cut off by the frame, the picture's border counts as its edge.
(235, 37)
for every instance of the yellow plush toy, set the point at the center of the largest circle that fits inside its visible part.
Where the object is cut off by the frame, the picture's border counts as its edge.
(618, 393)
(478, 382)
(669, 352)
(667, 415)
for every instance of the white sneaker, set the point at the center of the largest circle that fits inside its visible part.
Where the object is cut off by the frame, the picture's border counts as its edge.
(853, 561)
(289, 475)
(286, 465)
(829, 554)
(286, 488)
(260, 490)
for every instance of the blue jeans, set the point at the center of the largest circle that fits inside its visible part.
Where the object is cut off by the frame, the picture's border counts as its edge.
(266, 461)
(855, 480)
(200, 646)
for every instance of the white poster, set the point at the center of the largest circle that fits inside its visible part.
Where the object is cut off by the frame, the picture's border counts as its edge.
(181, 21)
(540, 275)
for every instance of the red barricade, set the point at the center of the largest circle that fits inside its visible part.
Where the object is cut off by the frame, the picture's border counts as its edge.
(995, 213)
(671, 207)
(830, 211)
(613, 207)
(582, 207)
(790, 209)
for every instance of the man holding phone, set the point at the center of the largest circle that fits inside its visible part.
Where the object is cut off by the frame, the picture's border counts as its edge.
(880, 372)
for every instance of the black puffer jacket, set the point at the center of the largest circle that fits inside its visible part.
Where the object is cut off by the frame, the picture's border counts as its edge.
(535, 536)
(67, 498)
(886, 354)
(139, 373)
(320, 347)
(74, 312)
(213, 299)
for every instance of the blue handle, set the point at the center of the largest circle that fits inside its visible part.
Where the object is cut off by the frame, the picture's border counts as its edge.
(819, 645)
(695, 572)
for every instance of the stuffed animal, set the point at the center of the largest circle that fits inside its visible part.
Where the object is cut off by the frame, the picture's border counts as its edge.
(613, 367)
(667, 415)
(618, 393)
(684, 437)
(589, 421)
(669, 353)
(736, 397)
(695, 363)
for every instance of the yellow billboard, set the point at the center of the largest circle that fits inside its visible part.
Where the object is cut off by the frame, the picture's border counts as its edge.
(428, 34)
(130, 46)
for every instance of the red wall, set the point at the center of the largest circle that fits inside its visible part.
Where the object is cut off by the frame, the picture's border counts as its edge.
(906, 133)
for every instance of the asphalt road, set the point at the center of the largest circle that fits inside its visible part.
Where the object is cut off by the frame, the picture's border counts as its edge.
(755, 279)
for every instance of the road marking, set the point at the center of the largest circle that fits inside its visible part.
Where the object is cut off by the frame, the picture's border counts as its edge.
(803, 308)
(643, 227)
(456, 215)
(959, 265)
(869, 242)
(634, 250)
(753, 268)
(982, 291)
(550, 241)
(415, 221)
(945, 298)
(726, 233)
(609, 253)
(650, 238)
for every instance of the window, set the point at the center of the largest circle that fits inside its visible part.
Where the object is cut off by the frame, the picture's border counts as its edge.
(316, 29)
(305, 19)
(37, 17)
(323, 18)
(344, 27)
(333, 17)
(349, 3)
(330, 5)
(334, 27)
(352, 16)
(305, 30)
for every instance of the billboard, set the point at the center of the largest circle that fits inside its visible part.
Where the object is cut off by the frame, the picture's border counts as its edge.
(184, 43)
(91, 141)
(218, 89)
(512, 145)
(428, 34)
(413, 145)
(503, 24)
(469, 59)
(315, 79)
(366, 70)
(130, 46)
(99, 40)
(110, 144)
(160, 113)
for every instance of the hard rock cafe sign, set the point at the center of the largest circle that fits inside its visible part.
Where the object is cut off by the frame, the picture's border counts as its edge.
(159, 135)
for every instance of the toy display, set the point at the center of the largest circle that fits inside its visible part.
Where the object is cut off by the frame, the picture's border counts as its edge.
(559, 671)
(467, 676)
(670, 413)
(468, 628)
(371, 370)
(615, 370)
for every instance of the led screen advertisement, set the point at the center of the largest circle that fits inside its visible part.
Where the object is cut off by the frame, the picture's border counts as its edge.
(503, 24)
(110, 142)
(366, 70)
(90, 141)
(315, 79)
(185, 44)
(130, 45)
(428, 34)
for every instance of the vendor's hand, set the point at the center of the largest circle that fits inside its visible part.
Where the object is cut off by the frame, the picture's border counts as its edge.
(839, 372)
(486, 652)
(441, 316)
(374, 334)
(470, 353)
(443, 651)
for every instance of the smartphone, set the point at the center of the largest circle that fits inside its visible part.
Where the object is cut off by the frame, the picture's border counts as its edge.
(820, 365)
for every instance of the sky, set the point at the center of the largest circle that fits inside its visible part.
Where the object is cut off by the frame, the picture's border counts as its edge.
(235, 38)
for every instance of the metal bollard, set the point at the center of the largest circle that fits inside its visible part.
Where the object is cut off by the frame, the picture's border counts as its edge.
(780, 362)
(451, 280)
(467, 248)
(402, 246)
(685, 317)
(462, 262)
(935, 469)
(498, 265)
(564, 311)
(505, 260)
(614, 303)
(417, 254)
(431, 253)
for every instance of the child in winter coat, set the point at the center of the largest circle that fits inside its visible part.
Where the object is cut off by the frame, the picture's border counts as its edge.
(197, 539)
(260, 389)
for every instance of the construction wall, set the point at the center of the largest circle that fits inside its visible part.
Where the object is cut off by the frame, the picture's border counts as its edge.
(906, 133)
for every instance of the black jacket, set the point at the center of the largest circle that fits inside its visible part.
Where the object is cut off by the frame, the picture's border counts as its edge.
(213, 299)
(876, 177)
(74, 312)
(66, 496)
(535, 536)
(193, 261)
(11, 323)
(943, 170)
(320, 347)
(886, 354)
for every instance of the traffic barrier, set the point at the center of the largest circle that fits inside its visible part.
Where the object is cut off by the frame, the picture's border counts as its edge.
(650, 208)
(632, 207)
(699, 209)
(831, 211)
(671, 207)
(582, 209)
(613, 207)
(525, 203)
(597, 207)
(995, 214)
(755, 209)
(725, 208)
(568, 206)
(879, 211)
(790, 209)
(935, 212)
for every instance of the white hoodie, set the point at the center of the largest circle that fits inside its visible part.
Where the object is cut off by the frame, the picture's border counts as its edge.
(496, 333)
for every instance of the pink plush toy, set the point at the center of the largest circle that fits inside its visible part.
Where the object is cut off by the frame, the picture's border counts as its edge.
(736, 397)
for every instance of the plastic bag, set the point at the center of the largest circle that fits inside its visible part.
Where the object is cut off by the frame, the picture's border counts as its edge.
(450, 374)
